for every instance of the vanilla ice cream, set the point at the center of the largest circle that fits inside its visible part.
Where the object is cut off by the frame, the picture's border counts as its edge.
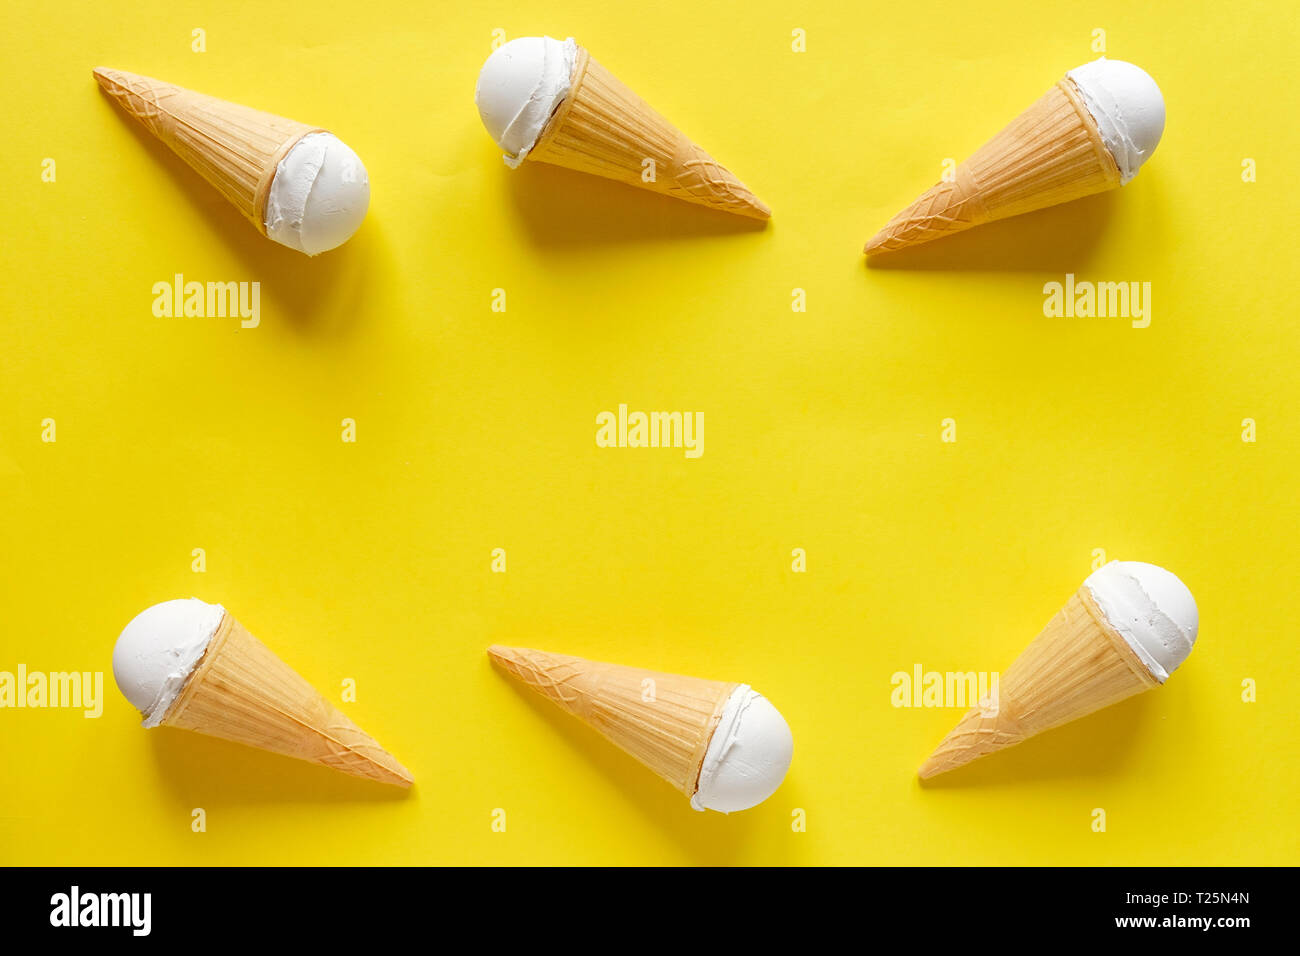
(520, 86)
(1151, 608)
(747, 756)
(1128, 108)
(319, 195)
(156, 653)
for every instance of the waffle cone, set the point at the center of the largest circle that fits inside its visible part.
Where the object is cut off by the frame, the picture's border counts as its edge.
(242, 691)
(1077, 665)
(604, 128)
(235, 148)
(669, 733)
(1050, 154)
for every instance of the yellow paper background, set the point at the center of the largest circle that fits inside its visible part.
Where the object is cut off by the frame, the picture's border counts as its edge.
(476, 429)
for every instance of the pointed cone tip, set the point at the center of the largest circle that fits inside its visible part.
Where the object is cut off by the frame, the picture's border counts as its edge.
(118, 81)
(402, 777)
(394, 773)
(113, 82)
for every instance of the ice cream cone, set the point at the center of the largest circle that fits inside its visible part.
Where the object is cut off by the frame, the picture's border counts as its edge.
(1079, 664)
(1051, 153)
(233, 147)
(602, 127)
(242, 691)
(663, 720)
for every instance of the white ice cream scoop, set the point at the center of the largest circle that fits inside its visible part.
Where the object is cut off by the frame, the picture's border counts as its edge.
(1151, 608)
(519, 87)
(319, 195)
(748, 755)
(156, 653)
(1128, 108)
